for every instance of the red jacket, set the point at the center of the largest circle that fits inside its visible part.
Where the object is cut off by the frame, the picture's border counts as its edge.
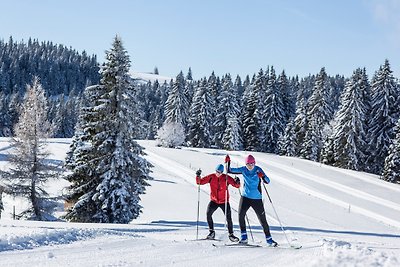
(217, 186)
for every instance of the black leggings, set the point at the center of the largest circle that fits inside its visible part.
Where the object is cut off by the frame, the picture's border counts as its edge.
(212, 207)
(257, 205)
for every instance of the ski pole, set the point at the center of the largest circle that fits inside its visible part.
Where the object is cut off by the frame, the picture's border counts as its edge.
(226, 196)
(198, 211)
(276, 214)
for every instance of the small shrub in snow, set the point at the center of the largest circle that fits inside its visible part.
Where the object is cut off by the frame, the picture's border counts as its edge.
(171, 135)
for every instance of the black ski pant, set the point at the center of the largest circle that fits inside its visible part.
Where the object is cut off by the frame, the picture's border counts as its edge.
(212, 207)
(258, 206)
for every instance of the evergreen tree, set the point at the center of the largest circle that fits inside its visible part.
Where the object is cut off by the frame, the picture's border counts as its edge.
(231, 137)
(200, 118)
(391, 171)
(319, 114)
(274, 116)
(300, 120)
(82, 160)
(118, 169)
(29, 172)
(287, 142)
(250, 120)
(285, 90)
(239, 88)
(350, 132)
(222, 106)
(384, 115)
(189, 76)
(214, 89)
(177, 104)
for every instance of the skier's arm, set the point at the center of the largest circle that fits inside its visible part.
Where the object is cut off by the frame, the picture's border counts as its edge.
(235, 182)
(236, 170)
(204, 180)
(232, 170)
(261, 174)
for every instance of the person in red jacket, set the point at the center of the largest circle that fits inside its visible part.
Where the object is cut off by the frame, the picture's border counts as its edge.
(219, 197)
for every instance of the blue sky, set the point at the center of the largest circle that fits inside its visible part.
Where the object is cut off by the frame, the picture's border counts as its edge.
(225, 36)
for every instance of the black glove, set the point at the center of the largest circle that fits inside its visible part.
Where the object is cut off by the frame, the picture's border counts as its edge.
(198, 172)
(237, 180)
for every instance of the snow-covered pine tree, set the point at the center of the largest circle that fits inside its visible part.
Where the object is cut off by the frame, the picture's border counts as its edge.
(300, 122)
(155, 115)
(200, 120)
(189, 76)
(350, 131)
(221, 109)
(115, 166)
(231, 138)
(286, 91)
(239, 87)
(274, 115)
(214, 89)
(82, 160)
(391, 171)
(318, 115)
(29, 172)
(250, 120)
(287, 142)
(384, 115)
(177, 104)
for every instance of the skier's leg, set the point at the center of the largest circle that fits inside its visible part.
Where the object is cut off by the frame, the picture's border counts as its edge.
(244, 205)
(258, 207)
(211, 208)
(228, 215)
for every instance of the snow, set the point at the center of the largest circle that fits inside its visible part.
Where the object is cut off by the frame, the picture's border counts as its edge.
(341, 217)
(143, 77)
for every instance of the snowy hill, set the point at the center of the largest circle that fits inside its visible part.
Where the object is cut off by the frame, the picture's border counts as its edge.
(341, 217)
(142, 77)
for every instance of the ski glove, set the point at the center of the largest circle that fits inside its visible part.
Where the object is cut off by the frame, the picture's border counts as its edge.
(198, 172)
(237, 180)
(262, 177)
(227, 159)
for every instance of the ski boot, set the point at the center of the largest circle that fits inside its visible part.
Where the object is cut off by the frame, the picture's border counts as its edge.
(211, 235)
(233, 238)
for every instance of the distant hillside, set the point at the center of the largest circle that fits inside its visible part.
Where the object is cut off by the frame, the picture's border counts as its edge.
(143, 77)
(61, 70)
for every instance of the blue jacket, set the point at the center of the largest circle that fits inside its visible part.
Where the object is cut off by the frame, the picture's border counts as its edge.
(251, 184)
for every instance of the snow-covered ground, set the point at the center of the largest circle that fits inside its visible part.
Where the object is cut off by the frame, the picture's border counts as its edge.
(341, 217)
(143, 77)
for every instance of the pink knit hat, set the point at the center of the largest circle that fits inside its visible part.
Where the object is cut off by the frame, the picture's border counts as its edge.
(250, 160)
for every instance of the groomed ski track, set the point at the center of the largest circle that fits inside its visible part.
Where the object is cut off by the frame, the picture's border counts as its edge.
(342, 218)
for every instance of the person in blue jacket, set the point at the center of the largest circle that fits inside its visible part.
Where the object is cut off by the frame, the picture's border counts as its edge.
(253, 175)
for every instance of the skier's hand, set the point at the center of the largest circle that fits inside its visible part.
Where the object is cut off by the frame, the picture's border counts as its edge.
(237, 180)
(198, 172)
(260, 175)
(227, 159)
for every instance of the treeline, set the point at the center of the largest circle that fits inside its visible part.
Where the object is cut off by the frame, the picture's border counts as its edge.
(64, 73)
(348, 122)
(345, 122)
